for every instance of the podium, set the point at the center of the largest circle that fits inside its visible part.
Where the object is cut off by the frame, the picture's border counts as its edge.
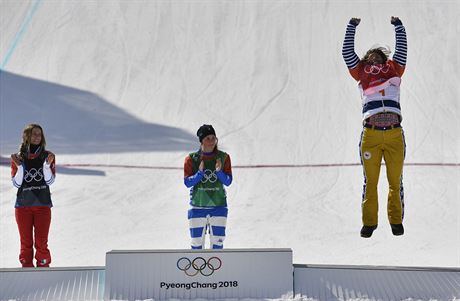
(225, 274)
(191, 274)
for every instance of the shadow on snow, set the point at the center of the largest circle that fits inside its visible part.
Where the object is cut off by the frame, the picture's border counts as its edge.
(78, 122)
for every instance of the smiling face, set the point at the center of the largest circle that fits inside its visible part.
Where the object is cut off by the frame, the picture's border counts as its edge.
(32, 134)
(36, 136)
(209, 143)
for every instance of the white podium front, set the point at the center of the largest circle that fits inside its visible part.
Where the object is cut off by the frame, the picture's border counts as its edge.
(190, 274)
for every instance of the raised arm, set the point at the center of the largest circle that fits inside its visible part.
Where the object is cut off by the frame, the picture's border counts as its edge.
(400, 55)
(348, 49)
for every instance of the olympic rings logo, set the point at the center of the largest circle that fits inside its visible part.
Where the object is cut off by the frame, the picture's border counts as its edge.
(33, 174)
(376, 69)
(199, 265)
(210, 176)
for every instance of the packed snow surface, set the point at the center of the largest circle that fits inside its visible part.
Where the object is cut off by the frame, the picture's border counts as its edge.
(121, 87)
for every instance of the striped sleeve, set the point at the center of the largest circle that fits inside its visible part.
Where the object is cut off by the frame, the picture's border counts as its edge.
(400, 55)
(348, 49)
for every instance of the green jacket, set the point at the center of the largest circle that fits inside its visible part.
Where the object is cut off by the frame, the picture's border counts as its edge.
(209, 192)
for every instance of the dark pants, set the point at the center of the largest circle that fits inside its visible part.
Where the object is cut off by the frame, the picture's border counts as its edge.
(34, 224)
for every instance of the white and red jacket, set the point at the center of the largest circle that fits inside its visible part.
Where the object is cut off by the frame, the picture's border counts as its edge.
(32, 178)
(378, 84)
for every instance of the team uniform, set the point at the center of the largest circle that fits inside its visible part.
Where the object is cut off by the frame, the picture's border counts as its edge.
(208, 198)
(33, 206)
(382, 135)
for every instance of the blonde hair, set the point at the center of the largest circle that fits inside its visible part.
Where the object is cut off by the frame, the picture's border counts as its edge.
(383, 51)
(384, 48)
(26, 135)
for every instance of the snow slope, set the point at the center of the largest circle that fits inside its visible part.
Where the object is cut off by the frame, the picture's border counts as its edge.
(129, 82)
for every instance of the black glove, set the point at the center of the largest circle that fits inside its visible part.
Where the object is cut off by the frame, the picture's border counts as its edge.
(354, 21)
(395, 21)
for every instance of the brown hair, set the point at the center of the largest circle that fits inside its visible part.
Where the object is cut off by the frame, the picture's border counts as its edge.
(26, 135)
(379, 50)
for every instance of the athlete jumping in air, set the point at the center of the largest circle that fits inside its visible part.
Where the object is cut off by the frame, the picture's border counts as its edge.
(379, 79)
(206, 171)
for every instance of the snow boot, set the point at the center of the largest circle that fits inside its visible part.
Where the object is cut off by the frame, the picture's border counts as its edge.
(397, 229)
(366, 231)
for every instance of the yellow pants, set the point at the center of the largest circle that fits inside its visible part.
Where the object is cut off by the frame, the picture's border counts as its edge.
(390, 145)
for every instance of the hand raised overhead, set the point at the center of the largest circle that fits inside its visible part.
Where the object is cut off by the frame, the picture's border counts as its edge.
(355, 21)
(395, 21)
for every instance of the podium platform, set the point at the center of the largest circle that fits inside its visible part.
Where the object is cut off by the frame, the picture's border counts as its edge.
(234, 274)
(52, 284)
(191, 274)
